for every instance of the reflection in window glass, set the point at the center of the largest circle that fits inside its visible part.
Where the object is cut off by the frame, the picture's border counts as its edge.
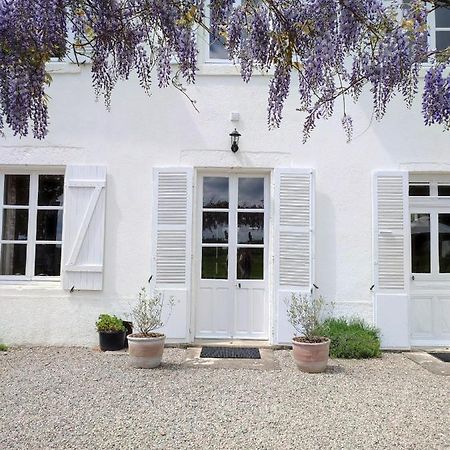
(51, 189)
(250, 228)
(250, 263)
(15, 224)
(420, 243)
(13, 259)
(17, 189)
(49, 225)
(215, 227)
(217, 48)
(251, 193)
(442, 40)
(443, 17)
(419, 190)
(444, 243)
(444, 190)
(215, 263)
(48, 260)
(215, 192)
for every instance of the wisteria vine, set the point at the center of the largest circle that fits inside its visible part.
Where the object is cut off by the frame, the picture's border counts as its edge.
(331, 49)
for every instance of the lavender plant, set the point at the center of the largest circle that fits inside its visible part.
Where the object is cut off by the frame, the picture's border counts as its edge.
(332, 50)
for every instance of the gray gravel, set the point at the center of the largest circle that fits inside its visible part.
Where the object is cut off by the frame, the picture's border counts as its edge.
(77, 398)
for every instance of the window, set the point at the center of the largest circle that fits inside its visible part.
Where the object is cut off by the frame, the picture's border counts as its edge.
(31, 217)
(442, 28)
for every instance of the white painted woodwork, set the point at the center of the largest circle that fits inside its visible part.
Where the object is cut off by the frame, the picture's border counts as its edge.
(232, 308)
(84, 227)
(391, 257)
(294, 241)
(172, 248)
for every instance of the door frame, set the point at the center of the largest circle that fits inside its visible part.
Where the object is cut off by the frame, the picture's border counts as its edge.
(199, 173)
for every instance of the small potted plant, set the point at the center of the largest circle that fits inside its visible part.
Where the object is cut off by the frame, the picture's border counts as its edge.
(146, 347)
(111, 332)
(305, 314)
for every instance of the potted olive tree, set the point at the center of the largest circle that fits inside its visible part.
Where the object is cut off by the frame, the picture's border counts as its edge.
(111, 332)
(310, 351)
(146, 346)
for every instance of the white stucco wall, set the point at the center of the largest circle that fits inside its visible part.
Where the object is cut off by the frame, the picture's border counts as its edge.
(165, 130)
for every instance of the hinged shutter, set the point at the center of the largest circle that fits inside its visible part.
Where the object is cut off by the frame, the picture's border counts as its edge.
(84, 224)
(391, 256)
(172, 247)
(294, 243)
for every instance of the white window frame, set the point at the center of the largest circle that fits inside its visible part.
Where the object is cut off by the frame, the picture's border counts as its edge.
(434, 29)
(32, 208)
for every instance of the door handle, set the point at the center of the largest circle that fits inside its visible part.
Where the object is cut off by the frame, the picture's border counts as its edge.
(239, 285)
(413, 277)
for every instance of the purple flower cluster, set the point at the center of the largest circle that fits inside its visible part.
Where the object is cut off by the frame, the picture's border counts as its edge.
(337, 48)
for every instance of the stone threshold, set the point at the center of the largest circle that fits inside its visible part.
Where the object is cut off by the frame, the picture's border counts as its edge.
(429, 362)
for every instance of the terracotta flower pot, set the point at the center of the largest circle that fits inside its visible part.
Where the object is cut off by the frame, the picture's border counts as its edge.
(145, 352)
(311, 357)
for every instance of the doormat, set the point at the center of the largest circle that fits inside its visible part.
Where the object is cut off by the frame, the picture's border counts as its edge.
(230, 352)
(443, 356)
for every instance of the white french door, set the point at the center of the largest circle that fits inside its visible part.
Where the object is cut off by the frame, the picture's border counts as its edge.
(232, 255)
(430, 263)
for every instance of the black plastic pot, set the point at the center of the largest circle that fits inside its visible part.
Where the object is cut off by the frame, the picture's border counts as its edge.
(111, 340)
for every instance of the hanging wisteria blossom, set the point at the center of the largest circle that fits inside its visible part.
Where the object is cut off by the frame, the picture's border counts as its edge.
(328, 51)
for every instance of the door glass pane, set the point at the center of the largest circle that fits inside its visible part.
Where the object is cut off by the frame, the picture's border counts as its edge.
(251, 193)
(215, 263)
(17, 189)
(419, 190)
(215, 192)
(48, 260)
(250, 263)
(420, 243)
(250, 228)
(444, 243)
(215, 227)
(49, 225)
(13, 259)
(15, 224)
(444, 190)
(51, 189)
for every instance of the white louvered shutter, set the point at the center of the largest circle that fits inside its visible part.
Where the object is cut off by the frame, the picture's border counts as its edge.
(172, 247)
(84, 225)
(391, 256)
(294, 240)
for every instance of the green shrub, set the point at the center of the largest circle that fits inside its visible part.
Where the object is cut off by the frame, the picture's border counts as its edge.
(106, 322)
(3, 348)
(351, 338)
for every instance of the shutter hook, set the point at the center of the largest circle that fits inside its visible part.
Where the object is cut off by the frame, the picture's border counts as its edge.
(72, 288)
(371, 287)
(317, 287)
(150, 279)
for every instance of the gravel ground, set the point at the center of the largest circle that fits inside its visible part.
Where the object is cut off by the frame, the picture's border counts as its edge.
(75, 398)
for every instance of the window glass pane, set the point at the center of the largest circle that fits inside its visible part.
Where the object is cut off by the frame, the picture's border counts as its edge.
(48, 260)
(444, 243)
(443, 17)
(17, 189)
(215, 227)
(51, 189)
(444, 190)
(217, 48)
(13, 259)
(15, 224)
(420, 243)
(49, 225)
(442, 40)
(250, 228)
(215, 192)
(250, 265)
(215, 263)
(419, 190)
(251, 193)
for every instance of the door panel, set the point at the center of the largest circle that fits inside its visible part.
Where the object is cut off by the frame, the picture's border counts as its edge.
(233, 234)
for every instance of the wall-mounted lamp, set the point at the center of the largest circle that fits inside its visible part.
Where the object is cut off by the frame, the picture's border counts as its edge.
(235, 135)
